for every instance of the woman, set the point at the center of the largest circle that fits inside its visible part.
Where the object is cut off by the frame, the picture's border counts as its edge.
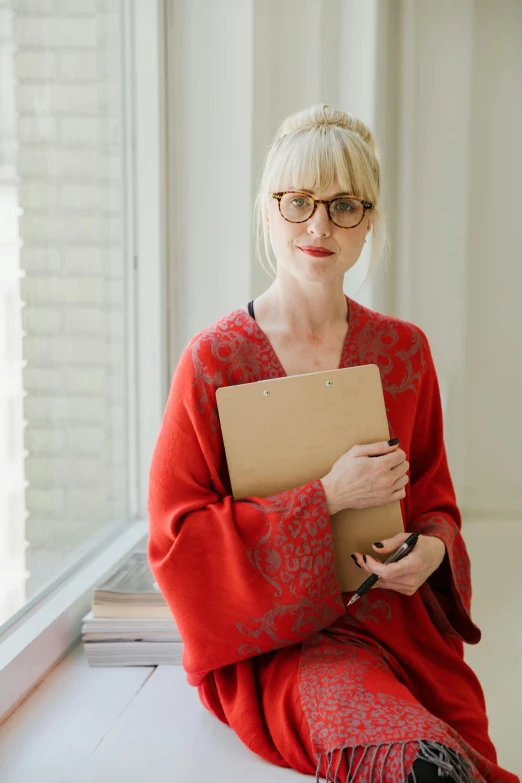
(378, 690)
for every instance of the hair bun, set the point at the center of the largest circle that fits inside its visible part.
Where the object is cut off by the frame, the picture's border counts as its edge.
(323, 115)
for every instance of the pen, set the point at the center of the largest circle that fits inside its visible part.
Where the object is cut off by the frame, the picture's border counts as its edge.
(404, 548)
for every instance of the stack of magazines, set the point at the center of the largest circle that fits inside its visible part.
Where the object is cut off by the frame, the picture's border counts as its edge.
(130, 623)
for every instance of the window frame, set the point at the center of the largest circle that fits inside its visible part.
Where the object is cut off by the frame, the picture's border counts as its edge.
(37, 637)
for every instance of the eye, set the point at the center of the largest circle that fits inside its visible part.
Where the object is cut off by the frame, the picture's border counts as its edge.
(346, 205)
(300, 201)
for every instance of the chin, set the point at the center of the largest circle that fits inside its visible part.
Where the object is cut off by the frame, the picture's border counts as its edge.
(319, 275)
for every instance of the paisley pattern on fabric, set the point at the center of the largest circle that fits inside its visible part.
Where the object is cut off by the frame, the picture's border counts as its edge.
(292, 561)
(346, 711)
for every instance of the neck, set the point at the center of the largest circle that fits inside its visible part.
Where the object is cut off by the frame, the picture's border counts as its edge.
(307, 312)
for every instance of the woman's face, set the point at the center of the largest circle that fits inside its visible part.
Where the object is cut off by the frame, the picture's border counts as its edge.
(287, 238)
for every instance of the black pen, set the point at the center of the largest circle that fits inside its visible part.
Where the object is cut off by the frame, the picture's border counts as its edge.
(404, 548)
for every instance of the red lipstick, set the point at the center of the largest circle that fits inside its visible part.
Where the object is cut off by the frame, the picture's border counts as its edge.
(315, 250)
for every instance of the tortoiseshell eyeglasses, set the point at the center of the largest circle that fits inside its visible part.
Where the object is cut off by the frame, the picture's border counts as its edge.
(344, 211)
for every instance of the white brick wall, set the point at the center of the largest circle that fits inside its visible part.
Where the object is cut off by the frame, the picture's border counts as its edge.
(13, 571)
(69, 167)
(41, 260)
(42, 320)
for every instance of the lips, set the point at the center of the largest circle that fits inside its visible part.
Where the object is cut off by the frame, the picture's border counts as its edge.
(316, 251)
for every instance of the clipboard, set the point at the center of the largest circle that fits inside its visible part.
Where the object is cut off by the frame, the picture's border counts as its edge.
(281, 433)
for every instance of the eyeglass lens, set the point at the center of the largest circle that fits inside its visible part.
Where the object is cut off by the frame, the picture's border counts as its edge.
(344, 211)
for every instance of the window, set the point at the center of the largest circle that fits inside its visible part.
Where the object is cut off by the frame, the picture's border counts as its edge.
(67, 424)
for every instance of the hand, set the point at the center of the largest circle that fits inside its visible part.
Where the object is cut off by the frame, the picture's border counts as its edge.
(366, 476)
(409, 573)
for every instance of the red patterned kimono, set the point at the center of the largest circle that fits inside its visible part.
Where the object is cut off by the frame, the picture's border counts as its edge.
(348, 693)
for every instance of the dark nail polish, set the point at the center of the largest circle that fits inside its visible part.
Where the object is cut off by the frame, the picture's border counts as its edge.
(378, 544)
(364, 558)
(393, 441)
(355, 560)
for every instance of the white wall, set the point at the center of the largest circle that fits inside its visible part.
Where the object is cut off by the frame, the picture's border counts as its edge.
(494, 275)
(210, 146)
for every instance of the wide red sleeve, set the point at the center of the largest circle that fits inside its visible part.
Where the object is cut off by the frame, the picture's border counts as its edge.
(240, 577)
(433, 511)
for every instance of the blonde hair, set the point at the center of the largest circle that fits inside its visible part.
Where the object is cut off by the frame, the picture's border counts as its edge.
(311, 149)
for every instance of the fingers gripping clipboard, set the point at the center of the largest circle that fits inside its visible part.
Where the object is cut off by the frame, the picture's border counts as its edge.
(284, 432)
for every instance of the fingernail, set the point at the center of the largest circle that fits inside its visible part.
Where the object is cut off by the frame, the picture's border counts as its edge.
(393, 441)
(378, 544)
(364, 558)
(355, 560)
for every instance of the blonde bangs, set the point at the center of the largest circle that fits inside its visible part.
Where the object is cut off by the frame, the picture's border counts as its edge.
(316, 158)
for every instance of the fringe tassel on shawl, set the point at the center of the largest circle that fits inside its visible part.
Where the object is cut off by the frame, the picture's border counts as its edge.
(447, 760)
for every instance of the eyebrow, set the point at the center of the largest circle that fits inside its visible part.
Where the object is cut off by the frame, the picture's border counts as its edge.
(304, 190)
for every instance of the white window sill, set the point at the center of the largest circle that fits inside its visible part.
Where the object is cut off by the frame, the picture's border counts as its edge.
(131, 723)
(46, 632)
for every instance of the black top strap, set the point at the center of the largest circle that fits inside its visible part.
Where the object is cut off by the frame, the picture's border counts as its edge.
(251, 309)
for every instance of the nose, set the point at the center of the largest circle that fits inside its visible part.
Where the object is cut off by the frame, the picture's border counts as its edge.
(320, 220)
